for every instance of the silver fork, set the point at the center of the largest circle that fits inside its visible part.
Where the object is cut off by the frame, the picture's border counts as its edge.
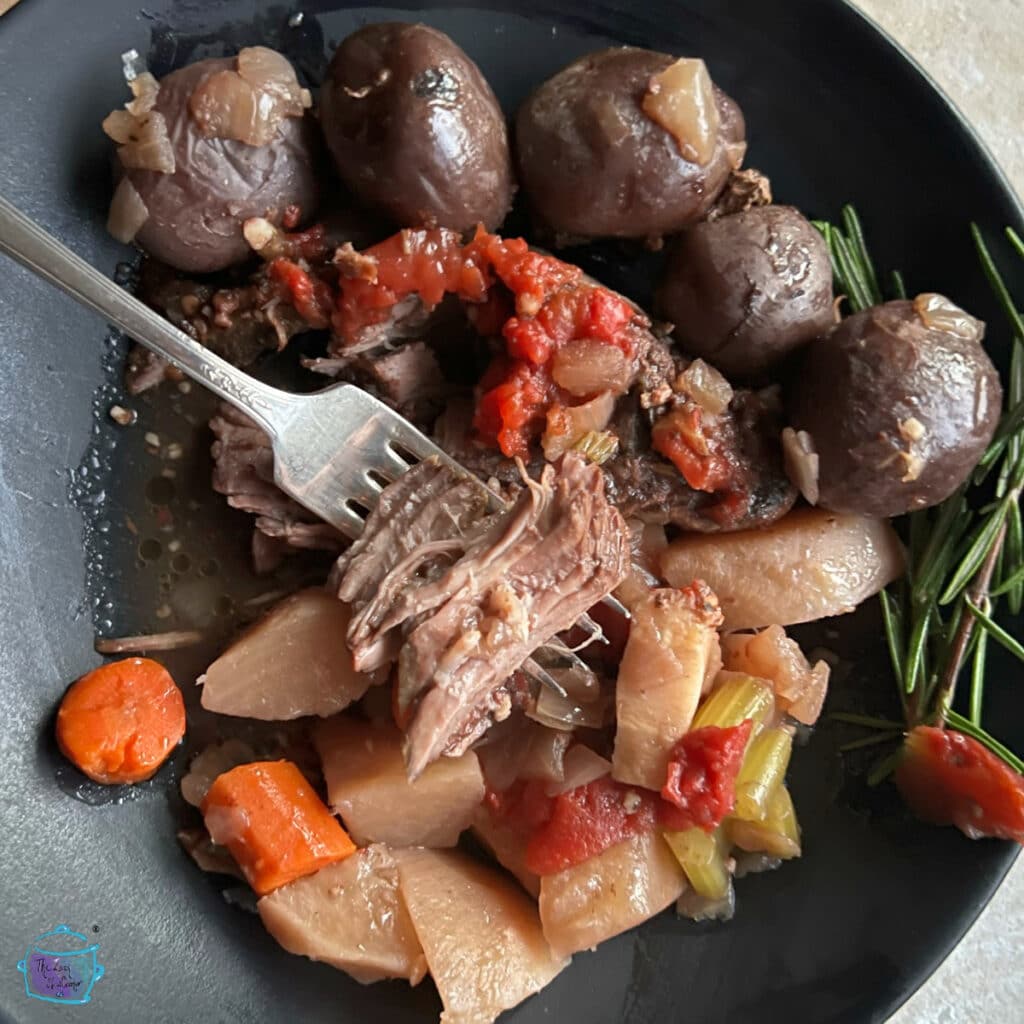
(334, 450)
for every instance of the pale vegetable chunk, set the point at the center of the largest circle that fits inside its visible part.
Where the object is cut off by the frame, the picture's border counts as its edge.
(291, 663)
(367, 785)
(350, 915)
(507, 843)
(799, 688)
(480, 933)
(673, 640)
(809, 565)
(609, 894)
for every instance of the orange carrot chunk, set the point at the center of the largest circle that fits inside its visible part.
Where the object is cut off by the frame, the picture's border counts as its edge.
(275, 826)
(120, 722)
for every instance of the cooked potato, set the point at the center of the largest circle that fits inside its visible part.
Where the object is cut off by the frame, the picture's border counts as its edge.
(193, 180)
(415, 130)
(673, 642)
(367, 785)
(609, 894)
(899, 401)
(507, 844)
(480, 933)
(746, 290)
(594, 162)
(350, 915)
(293, 662)
(809, 565)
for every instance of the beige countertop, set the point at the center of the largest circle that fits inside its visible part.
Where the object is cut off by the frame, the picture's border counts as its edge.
(974, 49)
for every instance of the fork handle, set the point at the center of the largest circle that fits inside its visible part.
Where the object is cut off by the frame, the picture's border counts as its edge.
(27, 243)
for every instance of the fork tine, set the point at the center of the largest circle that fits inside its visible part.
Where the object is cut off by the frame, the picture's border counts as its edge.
(349, 522)
(386, 461)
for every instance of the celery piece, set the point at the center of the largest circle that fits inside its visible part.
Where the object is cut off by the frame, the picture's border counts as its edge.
(764, 768)
(778, 835)
(734, 699)
(702, 856)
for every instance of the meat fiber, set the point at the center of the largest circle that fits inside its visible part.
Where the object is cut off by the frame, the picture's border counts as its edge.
(645, 486)
(243, 470)
(465, 608)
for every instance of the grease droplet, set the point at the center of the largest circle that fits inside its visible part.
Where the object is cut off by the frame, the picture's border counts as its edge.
(150, 549)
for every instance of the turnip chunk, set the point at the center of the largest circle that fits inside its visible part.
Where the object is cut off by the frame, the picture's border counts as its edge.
(507, 844)
(480, 933)
(350, 915)
(673, 641)
(367, 785)
(799, 689)
(609, 894)
(809, 565)
(293, 662)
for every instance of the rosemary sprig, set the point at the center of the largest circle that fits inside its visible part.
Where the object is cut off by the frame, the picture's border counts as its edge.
(965, 554)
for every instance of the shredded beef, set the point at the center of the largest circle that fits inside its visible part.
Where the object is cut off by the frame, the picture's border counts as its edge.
(466, 607)
(243, 470)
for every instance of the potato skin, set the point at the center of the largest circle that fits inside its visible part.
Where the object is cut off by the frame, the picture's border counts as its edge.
(594, 165)
(196, 213)
(859, 391)
(415, 130)
(746, 290)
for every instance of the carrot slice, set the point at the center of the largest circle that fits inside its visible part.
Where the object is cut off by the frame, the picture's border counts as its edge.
(275, 826)
(120, 722)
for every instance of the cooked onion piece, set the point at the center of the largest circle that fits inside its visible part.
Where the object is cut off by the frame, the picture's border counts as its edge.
(250, 103)
(682, 100)
(582, 766)
(568, 425)
(587, 366)
(801, 462)
(809, 565)
(127, 212)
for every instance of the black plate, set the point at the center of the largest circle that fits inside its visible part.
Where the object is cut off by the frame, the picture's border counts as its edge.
(835, 113)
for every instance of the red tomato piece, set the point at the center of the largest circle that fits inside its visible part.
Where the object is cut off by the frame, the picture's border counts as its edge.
(680, 437)
(310, 296)
(948, 778)
(587, 821)
(700, 785)
(512, 414)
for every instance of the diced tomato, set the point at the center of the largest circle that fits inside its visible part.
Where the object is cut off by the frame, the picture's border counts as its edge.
(310, 296)
(700, 786)
(587, 821)
(679, 436)
(948, 778)
(425, 262)
(531, 276)
(604, 317)
(540, 304)
(512, 413)
(527, 339)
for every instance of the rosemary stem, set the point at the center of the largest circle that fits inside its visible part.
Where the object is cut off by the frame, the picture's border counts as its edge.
(977, 593)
